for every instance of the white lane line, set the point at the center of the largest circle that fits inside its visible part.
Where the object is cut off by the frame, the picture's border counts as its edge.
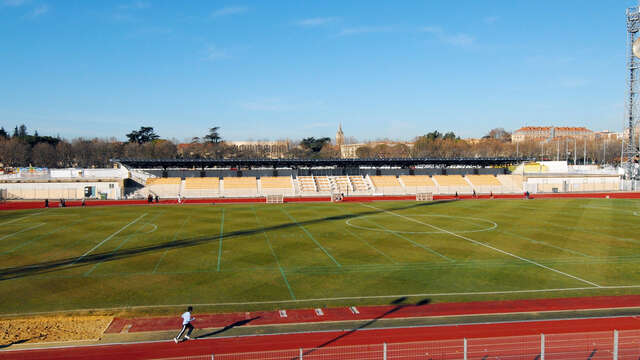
(487, 246)
(20, 218)
(109, 238)
(235, 337)
(23, 230)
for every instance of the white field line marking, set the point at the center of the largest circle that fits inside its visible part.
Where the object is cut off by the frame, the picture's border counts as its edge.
(487, 246)
(41, 236)
(363, 240)
(21, 231)
(311, 237)
(266, 237)
(20, 218)
(586, 231)
(545, 244)
(371, 246)
(424, 247)
(122, 243)
(175, 236)
(220, 241)
(338, 299)
(109, 238)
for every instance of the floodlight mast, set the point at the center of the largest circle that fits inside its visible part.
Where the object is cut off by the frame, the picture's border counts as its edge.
(633, 154)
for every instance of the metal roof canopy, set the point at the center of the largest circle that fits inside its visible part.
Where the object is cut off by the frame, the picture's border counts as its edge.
(310, 163)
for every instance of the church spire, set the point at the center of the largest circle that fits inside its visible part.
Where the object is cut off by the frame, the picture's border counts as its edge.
(340, 135)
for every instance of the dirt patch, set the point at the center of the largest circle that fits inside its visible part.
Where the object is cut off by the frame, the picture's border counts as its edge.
(52, 328)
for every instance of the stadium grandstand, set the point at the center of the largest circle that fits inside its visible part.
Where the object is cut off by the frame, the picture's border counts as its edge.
(190, 179)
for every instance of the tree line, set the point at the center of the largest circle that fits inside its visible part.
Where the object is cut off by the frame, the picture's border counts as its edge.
(23, 149)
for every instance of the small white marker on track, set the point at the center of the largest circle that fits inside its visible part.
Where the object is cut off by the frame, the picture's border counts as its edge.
(354, 310)
(319, 312)
(283, 313)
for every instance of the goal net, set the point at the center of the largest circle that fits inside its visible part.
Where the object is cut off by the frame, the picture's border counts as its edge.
(424, 196)
(275, 199)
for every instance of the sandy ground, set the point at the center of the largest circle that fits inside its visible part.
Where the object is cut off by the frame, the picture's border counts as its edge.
(52, 328)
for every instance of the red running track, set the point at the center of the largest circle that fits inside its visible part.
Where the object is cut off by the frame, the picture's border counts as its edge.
(376, 312)
(22, 205)
(484, 340)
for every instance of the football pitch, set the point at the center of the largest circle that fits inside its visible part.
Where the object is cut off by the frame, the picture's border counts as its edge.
(303, 255)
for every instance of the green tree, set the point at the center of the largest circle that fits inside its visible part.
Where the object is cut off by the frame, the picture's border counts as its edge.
(213, 136)
(22, 130)
(313, 144)
(142, 136)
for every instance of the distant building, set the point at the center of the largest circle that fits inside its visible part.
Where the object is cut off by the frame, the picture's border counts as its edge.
(610, 135)
(339, 136)
(546, 133)
(270, 149)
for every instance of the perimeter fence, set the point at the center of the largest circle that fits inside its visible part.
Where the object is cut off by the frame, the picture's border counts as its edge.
(616, 345)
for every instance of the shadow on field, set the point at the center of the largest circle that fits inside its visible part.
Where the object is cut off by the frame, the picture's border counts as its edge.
(399, 302)
(228, 327)
(74, 262)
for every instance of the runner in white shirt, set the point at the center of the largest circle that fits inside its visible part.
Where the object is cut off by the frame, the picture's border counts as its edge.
(186, 324)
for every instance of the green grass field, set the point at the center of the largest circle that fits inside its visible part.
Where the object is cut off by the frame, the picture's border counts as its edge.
(248, 257)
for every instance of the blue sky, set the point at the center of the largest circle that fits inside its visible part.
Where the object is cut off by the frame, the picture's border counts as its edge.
(292, 69)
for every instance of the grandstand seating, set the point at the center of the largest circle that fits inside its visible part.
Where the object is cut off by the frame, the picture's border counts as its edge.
(274, 185)
(414, 184)
(240, 186)
(201, 187)
(163, 181)
(323, 183)
(485, 183)
(358, 184)
(164, 187)
(450, 184)
(387, 184)
(341, 184)
(307, 184)
(511, 183)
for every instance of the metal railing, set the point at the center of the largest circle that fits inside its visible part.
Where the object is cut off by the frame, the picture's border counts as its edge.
(616, 345)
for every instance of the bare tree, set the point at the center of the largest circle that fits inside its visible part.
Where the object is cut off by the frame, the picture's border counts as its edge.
(44, 155)
(14, 152)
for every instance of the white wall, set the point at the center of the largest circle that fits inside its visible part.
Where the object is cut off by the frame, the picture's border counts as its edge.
(70, 190)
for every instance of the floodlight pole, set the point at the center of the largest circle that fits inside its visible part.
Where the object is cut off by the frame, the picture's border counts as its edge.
(633, 27)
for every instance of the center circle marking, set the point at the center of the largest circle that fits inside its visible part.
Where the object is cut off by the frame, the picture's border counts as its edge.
(491, 225)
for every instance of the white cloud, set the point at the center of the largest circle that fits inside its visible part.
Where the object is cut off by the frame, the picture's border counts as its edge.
(490, 19)
(229, 10)
(136, 5)
(38, 11)
(215, 53)
(311, 22)
(461, 39)
(365, 30)
(14, 3)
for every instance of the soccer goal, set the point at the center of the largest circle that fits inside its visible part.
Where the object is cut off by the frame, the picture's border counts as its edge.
(275, 199)
(424, 196)
(336, 197)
